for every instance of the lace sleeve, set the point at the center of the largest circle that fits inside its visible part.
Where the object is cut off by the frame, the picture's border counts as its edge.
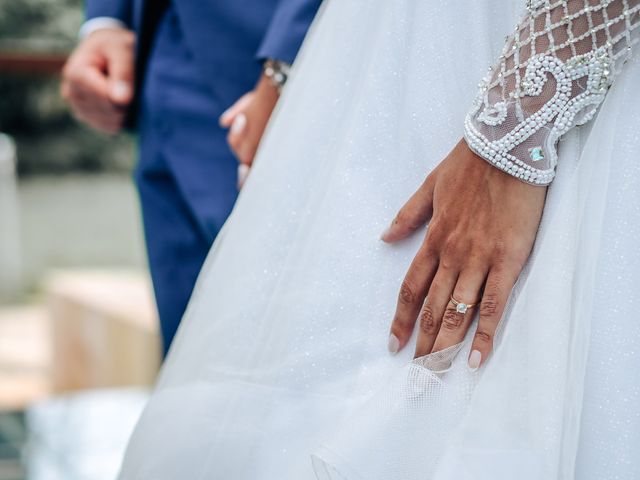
(553, 73)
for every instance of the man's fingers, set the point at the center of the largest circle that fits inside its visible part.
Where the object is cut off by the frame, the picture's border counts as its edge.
(242, 140)
(430, 317)
(228, 117)
(105, 124)
(246, 152)
(98, 79)
(121, 92)
(237, 133)
(500, 282)
(85, 99)
(88, 81)
(243, 174)
(87, 90)
(98, 113)
(101, 115)
(238, 126)
(411, 297)
(457, 318)
(414, 214)
(121, 70)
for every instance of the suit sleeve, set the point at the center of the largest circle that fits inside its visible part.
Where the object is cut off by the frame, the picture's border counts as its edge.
(119, 9)
(287, 29)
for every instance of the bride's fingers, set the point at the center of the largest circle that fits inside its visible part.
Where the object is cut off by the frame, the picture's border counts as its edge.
(500, 282)
(411, 297)
(414, 214)
(430, 317)
(457, 318)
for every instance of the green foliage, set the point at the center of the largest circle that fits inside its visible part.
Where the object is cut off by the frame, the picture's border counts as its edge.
(47, 21)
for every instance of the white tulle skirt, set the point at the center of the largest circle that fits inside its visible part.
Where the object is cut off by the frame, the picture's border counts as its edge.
(280, 369)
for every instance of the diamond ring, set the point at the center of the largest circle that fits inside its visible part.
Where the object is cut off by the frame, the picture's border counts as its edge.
(462, 307)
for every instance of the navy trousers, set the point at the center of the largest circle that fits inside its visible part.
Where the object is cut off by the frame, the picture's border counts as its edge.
(186, 173)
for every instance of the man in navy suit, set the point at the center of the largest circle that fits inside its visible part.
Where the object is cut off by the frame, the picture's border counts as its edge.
(170, 68)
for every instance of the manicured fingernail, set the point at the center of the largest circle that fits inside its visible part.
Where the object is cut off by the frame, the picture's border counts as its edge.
(394, 344)
(121, 91)
(385, 234)
(239, 124)
(243, 173)
(474, 360)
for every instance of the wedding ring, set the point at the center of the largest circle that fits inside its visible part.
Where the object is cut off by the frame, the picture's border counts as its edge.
(462, 307)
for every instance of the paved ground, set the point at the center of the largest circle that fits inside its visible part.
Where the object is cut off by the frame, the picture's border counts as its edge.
(93, 329)
(24, 366)
(12, 440)
(109, 319)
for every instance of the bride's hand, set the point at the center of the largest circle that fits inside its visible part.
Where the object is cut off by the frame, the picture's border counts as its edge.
(482, 226)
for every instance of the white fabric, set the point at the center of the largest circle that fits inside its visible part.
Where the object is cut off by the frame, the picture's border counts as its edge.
(552, 75)
(280, 369)
(99, 23)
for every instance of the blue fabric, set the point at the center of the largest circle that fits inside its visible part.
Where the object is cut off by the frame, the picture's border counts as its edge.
(234, 33)
(287, 28)
(204, 57)
(186, 174)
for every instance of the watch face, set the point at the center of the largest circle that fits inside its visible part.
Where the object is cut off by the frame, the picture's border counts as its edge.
(276, 71)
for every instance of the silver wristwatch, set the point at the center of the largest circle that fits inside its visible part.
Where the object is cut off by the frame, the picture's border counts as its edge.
(277, 72)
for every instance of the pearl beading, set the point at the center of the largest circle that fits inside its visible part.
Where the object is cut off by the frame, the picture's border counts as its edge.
(554, 72)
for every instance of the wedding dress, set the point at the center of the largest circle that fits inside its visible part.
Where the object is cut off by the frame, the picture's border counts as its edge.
(280, 369)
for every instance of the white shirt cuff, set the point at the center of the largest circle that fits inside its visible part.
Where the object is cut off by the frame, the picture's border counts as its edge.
(99, 23)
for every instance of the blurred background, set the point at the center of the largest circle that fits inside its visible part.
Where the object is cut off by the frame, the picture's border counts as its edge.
(79, 344)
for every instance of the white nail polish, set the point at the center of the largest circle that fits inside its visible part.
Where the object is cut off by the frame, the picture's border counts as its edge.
(474, 360)
(384, 234)
(394, 344)
(243, 173)
(239, 124)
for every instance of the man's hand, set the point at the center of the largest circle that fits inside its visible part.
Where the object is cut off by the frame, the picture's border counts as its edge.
(98, 79)
(482, 225)
(247, 120)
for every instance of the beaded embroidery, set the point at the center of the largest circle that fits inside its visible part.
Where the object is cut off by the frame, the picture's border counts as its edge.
(554, 72)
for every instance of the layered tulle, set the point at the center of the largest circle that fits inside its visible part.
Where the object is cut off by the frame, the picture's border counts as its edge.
(280, 369)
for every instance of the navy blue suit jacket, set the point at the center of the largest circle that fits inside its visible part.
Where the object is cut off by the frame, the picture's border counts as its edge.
(219, 48)
(227, 37)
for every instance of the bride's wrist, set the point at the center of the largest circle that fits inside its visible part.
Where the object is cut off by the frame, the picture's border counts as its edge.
(494, 169)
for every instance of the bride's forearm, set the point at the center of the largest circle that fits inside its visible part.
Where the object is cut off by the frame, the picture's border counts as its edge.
(553, 73)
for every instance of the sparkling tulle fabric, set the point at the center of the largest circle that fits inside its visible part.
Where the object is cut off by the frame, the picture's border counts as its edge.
(280, 369)
(552, 74)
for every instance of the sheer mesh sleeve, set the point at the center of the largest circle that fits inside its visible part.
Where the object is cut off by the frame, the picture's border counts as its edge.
(553, 74)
